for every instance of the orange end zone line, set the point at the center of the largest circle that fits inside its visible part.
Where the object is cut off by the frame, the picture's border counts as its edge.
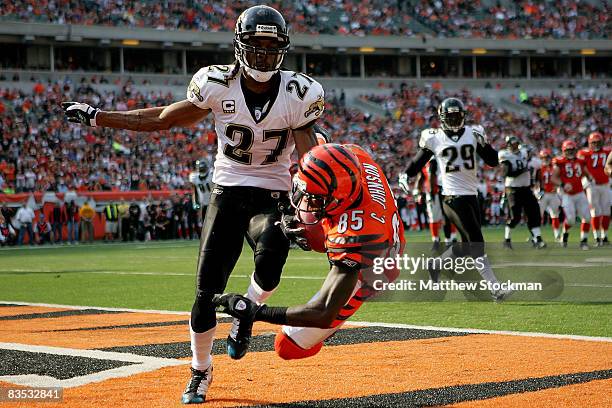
(349, 323)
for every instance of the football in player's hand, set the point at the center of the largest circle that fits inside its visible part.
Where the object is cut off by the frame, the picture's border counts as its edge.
(568, 188)
(314, 233)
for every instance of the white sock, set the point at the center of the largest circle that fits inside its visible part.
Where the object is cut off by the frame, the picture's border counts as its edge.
(256, 293)
(508, 232)
(201, 348)
(486, 271)
(453, 236)
(536, 233)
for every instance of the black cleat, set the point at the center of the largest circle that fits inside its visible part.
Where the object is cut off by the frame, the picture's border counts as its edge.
(539, 243)
(564, 239)
(195, 392)
(605, 241)
(508, 244)
(584, 245)
(598, 242)
(436, 247)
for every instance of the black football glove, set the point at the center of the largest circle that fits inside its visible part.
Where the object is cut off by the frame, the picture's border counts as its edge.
(290, 226)
(236, 306)
(294, 232)
(78, 112)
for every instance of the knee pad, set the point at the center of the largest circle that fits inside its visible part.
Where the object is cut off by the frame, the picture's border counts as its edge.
(268, 269)
(203, 316)
(288, 350)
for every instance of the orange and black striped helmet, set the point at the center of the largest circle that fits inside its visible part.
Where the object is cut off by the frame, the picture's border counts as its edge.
(328, 181)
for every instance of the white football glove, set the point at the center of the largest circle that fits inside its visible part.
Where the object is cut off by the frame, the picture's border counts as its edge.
(78, 112)
(403, 183)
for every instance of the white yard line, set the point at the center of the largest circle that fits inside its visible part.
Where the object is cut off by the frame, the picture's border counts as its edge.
(351, 323)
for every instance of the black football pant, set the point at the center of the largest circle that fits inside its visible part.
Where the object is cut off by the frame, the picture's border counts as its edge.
(236, 213)
(464, 212)
(522, 199)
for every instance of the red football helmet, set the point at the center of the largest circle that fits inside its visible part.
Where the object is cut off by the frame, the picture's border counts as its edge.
(596, 141)
(328, 181)
(569, 149)
(545, 153)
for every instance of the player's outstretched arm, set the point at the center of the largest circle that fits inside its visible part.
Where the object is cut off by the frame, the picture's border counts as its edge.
(418, 161)
(178, 114)
(608, 168)
(335, 293)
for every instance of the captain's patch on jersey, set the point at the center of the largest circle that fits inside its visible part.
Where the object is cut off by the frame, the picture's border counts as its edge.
(228, 106)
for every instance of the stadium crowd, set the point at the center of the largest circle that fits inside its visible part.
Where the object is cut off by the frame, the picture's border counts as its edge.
(520, 19)
(67, 222)
(40, 151)
(456, 18)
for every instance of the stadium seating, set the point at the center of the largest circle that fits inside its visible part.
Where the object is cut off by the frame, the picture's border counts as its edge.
(446, 18)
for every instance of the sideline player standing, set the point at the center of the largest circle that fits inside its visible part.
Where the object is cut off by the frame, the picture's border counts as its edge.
(567, 172)
(598, 192)
(455, 147)
(549, 199)
(261, 114)
(344, 190)
(201, 179)
(515, 159)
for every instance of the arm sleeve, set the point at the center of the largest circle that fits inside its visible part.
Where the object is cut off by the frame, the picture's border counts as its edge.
(418, 161)
(488, 154)
(197, 92)
(312, 107)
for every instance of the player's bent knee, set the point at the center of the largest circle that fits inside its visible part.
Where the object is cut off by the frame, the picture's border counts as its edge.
(268, 268)
(288, 350)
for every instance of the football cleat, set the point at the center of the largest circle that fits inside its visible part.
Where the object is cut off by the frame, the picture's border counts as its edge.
(508, 244)
(564, 239)
(195, 392)
(584, 245)
(605, 242)
(239, 338)
(436, 247)
(501, 295)
(539, 243)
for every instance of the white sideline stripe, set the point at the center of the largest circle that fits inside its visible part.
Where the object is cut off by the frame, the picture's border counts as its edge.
(483, 331)
(154, 273)
(110, 309)
(349, 323)
(143, 364)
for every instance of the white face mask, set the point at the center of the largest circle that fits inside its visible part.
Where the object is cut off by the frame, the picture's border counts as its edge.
(259, 76)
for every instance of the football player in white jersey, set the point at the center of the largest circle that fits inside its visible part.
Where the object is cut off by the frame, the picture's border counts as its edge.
(455, 146)
(261, 114)
(515, 159)
(202, 185)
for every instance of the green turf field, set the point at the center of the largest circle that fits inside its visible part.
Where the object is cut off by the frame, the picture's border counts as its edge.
(161, 276)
